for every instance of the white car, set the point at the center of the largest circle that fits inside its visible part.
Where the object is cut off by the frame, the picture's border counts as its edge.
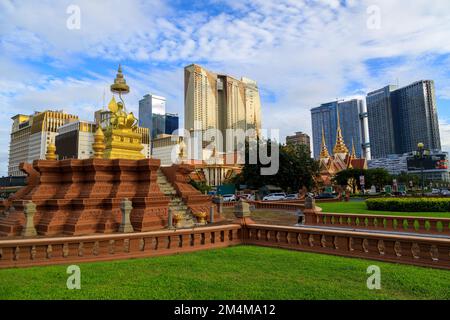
(435, 192)
(249, 197)
(275, 197)
(229, 198)
(292, 197)
(445, 193)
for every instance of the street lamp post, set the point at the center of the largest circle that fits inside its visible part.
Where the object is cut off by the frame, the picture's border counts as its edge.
(421, 153)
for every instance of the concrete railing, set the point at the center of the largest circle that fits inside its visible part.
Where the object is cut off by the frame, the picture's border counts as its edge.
(421, 251)
(420, 225)
(64, 250)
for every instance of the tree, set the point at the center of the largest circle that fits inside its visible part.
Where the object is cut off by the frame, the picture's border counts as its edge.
(378, 177)
(349, 177)
(405, 178)
(296, 169)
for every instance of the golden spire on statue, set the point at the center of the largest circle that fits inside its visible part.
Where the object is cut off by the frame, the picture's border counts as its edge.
(121, 139)
(51, 151)
(99, 143)
(120, 84)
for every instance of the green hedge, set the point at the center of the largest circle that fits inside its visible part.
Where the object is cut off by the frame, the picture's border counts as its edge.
(409, 205)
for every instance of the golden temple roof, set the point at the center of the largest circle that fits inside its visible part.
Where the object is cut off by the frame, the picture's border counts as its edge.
(323, 149)
(340, 146)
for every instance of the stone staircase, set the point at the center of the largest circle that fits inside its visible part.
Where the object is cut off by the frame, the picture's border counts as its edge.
(176, 204)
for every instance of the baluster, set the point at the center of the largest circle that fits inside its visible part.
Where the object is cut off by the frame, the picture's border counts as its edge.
(398, 249)
(65, 250)
(80, 249)
(111, 246)
(16, 253)
(434, 252)
(141, 244)
(95, 248)
(126, 245)
(415, 250)
(49, 251)
(33, 253)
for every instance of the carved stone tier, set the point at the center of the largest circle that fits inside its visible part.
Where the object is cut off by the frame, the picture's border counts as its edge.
(77, 197)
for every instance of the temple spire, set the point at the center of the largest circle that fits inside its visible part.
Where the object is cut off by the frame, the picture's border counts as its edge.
(51, 151)
(323, 149)
(353, 155)
(99, 143)
(340, 146)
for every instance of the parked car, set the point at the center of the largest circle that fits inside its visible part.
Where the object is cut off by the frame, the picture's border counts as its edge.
(292, 196)
(445, 193)
(247, 196)
(435, 192)
(275, 197)
(325, 196)
(229, 198)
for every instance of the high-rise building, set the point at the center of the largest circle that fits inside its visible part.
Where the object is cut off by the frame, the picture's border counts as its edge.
(400, 118)
(416, 117)
(381, 122)
(220, 102)
(352, 118)
(152, 110)
(30, 136)
(75, 139)
(172, 123)
(299, 138)
(324, 119)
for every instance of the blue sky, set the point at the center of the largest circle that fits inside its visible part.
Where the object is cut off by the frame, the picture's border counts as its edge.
(301, 53)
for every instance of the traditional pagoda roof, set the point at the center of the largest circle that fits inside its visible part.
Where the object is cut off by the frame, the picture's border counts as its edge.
(323, 149)
(340, 146)
(353, 155)
(358, 164)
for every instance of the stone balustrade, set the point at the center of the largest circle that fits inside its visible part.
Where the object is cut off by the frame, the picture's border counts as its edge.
(75, 249)
(422, 225)
(421, 251)
(279, 205)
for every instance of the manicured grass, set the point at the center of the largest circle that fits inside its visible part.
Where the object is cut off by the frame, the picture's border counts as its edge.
(359, 207)
(242, 272)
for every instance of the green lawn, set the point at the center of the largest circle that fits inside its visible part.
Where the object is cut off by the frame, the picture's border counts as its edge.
(359, 207)
(242, 272)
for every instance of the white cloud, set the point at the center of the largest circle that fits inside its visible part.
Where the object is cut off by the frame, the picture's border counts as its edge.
(303, 52)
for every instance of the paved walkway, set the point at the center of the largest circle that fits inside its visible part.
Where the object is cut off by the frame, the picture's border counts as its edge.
(423, 235)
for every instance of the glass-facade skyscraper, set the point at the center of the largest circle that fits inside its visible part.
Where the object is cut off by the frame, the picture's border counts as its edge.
(152, 111)
(381, 122)
(325, 116)
(400, 118)
(172, 122)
